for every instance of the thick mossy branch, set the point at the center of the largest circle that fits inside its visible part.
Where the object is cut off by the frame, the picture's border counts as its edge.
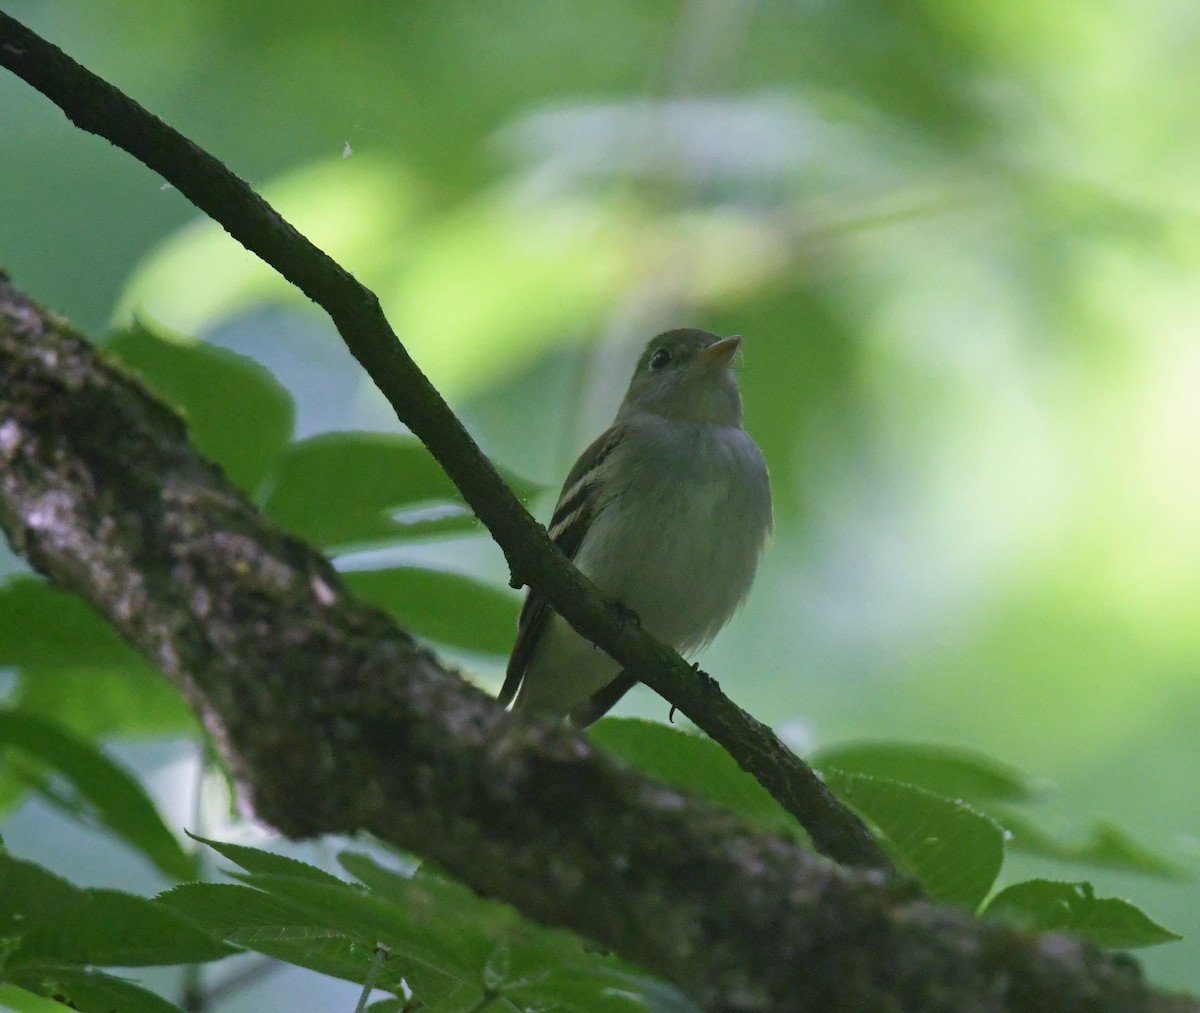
(96, 106)
(335, 721)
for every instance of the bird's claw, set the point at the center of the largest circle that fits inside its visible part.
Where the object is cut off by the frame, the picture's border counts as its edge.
(625, 615)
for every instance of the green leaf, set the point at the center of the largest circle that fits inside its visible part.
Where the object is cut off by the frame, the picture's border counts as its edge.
(48, 921)
(447, 944)
(342, 489)
(96, 702)
(21, 1001)
(332, 929)
(1105, 846)
(255, 860)
(692, 763)
(346, 488)
(945, 770)
(390, 884)
(88, 991)
(75, 669)
(954, 851)
(46, 628)
(1044, 905)
(117, 929)
(237, 412)
(533, 966)
(28, 889)
(446, 607)
(115, 797)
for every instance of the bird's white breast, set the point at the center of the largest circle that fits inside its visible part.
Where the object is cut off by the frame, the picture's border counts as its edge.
(680, 542)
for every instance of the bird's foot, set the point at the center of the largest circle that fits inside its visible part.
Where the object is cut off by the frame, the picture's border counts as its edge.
(624, 614)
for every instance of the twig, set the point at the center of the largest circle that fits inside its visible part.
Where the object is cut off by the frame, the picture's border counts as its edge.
(381, 954)
(97, 107)
(336, 721)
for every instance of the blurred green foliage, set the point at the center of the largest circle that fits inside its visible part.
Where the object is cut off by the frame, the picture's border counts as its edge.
(961, 241)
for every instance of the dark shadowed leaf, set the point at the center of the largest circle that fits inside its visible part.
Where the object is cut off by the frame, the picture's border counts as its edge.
(112, 795)
(692, 763)
(342, 489)
(446, 607)
(256, 860)
(946, 770)
(94, 702)
(1105, 846)
(954, 851)
(89, 991)
(1044, 905)
(446, 945)
(44, 627)
(237, 413)
(51, 922)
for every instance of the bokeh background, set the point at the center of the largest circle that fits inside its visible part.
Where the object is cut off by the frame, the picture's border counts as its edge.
(962, 243)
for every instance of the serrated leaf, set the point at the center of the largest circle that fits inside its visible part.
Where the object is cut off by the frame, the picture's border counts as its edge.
(691, 763)
(533, 966)
(117, 929)
(237, 412)
(342, 489)
(114, 796)
(944, 770)
(403, 929)
(89, 991)
(1106, 846)
(27, 888)
(446, 607)
(255, 860)
(48, 921)
(1044, 905)
(390, 884)
(954, 851)
(332, 929)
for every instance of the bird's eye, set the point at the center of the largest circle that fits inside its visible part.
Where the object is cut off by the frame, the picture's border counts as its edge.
(659, 359)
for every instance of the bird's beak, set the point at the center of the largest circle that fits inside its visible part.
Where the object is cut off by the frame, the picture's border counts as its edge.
(721, 353)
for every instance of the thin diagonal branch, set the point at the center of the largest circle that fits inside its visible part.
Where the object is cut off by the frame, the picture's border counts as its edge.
(335, 721)
(97, 107)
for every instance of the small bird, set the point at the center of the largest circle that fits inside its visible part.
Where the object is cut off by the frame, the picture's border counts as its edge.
(666, 512)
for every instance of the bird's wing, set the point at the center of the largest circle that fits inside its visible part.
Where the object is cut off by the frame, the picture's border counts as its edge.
(573, 516)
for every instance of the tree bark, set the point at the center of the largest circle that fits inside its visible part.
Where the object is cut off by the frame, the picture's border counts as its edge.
(334, 720)
(97, 106)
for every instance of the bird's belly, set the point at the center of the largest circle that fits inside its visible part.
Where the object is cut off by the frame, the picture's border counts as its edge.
(684, 560)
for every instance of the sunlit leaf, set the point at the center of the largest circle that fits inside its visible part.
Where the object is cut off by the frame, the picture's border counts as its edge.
(354, 209)
(237, 413)
(537, 270)
(114, 796)
(21, 1001)
(446, 607)
(1044, 905)
(954, 851)
(692, 763)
